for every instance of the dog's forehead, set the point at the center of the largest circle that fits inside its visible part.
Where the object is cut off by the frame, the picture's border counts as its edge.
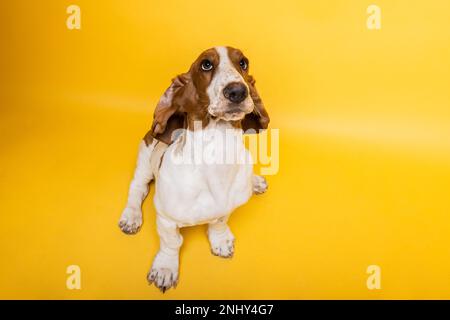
(219, 54)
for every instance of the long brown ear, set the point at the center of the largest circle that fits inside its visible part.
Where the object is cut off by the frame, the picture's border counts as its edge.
(259, 118)
(168, 116)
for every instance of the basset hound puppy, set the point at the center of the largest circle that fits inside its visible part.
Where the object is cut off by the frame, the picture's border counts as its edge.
(196, 155)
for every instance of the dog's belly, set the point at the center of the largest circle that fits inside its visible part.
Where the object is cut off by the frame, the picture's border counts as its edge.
(197, 194)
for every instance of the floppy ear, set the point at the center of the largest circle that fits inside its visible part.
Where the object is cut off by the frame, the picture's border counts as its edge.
(168, 116)
(259, 118)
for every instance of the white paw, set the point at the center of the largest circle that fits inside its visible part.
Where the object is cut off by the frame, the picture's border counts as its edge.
(259, 184)
(164, 272)
(222, 244)
(131, 220)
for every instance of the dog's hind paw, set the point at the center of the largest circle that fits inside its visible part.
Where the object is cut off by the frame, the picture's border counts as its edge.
(164, 272)
(259, 184)
(222, 244)
(131, 220)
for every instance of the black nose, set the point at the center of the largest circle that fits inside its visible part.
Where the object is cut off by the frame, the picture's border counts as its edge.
(235, 92)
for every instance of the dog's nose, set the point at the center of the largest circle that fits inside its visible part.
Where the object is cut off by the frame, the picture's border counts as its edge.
(235, 92)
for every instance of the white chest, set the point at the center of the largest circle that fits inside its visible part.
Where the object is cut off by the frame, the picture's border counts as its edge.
(204, 176)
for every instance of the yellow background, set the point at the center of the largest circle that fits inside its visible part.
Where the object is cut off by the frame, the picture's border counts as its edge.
(364, 119)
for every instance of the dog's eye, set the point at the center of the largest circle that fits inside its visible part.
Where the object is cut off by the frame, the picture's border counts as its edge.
(244, 64)
(207, 65)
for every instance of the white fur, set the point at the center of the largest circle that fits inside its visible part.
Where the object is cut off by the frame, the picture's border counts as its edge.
(194, 187)
(164, 270)
(221, 238)
(131, 219)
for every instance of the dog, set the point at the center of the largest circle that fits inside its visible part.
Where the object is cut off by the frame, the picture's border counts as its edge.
(200, 118)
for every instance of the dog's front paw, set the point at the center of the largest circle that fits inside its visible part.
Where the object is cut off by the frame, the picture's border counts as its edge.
(164, 272)
(131, 220)
(222, 244)
(259, 184)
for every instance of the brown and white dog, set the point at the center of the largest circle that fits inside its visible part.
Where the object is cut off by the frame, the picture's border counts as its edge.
(213, 104)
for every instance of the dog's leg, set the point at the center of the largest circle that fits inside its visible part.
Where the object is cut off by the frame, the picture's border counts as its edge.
(131, 219)
(259, 184)
(221, 238)
(164, 271)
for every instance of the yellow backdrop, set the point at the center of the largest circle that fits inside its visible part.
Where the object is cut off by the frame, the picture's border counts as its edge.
(364, 119)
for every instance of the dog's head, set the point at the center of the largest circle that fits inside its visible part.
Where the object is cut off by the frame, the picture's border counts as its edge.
(217, 86)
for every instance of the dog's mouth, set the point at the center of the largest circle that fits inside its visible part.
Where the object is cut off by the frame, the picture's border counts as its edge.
(233, 113)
